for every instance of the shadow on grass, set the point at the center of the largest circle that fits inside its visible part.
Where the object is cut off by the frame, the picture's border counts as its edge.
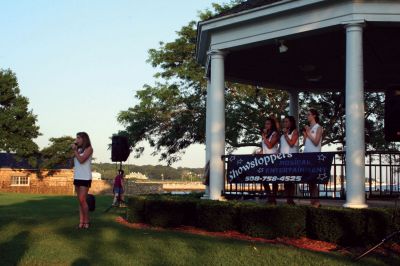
(108, 242)
(80, 262)
(13, 250)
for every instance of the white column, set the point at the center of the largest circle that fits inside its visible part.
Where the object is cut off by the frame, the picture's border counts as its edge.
(217, 124)
(355, 143)
(208, 149)
(294, 105)
(294, 111)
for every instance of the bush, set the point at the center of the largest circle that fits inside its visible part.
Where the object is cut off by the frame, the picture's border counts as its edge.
(217, 215)
(378, 225)
(136, 209)
(189, 208)
(348, 226)
(271, 222)
(170, 212)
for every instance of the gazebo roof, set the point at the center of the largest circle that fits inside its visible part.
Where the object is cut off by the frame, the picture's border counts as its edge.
(9, 160)
(314, 33)
(250, 4)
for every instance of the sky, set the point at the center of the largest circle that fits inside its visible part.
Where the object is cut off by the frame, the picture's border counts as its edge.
(80, 62)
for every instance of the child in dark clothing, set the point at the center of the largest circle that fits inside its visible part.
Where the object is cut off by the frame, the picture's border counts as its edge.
(118, 188)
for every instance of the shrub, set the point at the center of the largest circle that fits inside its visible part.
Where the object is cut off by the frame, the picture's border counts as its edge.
(348, 226)
(325, 224)
(136, 209)
(189, 208)
(217, 215)
(162, 210)
(378, 225)
(271, 222)
(338, 225)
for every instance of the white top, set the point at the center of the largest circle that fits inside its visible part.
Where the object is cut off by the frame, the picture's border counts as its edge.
(309, 145)
(83, 171)
(285, 147)
(265, 148)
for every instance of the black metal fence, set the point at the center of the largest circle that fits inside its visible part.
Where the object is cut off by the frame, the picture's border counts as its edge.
(382, 180)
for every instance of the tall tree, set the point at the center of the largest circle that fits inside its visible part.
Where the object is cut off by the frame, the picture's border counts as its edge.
(331, 106)
(18, 126)
(170, 115)
(58, 153)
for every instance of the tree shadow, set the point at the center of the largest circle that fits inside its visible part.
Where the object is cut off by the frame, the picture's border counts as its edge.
(13, 250)
(80, 262)
(106, 237)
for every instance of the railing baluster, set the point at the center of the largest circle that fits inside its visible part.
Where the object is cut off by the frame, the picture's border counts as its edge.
(334, 176)
(391, 175)
(370, 175)
(380, 174)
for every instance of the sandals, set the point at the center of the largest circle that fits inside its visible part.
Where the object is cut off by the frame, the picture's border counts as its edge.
(83, 226)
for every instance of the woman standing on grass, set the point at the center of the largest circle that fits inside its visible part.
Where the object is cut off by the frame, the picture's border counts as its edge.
(82, 175)
(289, 143)
(312, 143)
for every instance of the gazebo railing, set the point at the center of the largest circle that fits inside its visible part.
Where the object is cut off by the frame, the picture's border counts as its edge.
(382, 180)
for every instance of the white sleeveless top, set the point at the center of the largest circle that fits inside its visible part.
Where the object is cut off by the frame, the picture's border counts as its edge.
(265, 148)
(285, 147)
(83, 171)
(309, 145)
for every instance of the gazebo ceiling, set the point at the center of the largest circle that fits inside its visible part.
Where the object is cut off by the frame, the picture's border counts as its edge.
(317, 61)
(315, 35)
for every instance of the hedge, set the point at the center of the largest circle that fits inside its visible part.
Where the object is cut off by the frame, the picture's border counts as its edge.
(136, 209)
(348, 227)
(164, 211)
(272, 221)
(217, 215)
(169, 212)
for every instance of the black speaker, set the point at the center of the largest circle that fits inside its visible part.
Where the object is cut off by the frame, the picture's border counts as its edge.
(392, 114)
(120, 149)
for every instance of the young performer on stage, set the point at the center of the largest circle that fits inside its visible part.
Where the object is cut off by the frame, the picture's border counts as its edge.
(270, 139)
(312, 143)
(289, 143)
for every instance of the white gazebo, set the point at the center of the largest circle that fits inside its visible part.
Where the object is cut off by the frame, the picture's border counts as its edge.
(301, 45)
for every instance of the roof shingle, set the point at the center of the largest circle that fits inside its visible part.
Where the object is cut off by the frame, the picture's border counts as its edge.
(8, 160)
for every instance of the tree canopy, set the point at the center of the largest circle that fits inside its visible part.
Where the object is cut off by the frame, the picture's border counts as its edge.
(170, 115)
(18, 124)
(57, 153)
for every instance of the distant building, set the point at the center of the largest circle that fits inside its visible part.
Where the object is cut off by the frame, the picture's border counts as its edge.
(136, 175)
(96, 175)
(20, 176)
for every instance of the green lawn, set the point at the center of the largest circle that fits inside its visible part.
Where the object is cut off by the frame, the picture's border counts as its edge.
(40, 230)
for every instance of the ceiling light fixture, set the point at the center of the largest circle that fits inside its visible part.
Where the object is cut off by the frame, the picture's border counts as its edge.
(282, 47)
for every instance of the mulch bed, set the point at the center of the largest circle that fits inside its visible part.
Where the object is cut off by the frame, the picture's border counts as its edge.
(304, 243)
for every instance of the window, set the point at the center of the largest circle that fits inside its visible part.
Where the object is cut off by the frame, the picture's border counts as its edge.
(19, 181)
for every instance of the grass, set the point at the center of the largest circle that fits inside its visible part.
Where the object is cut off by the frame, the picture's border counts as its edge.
(40, 230)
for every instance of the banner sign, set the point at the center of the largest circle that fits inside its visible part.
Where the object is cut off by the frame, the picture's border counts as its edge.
(280, 168)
